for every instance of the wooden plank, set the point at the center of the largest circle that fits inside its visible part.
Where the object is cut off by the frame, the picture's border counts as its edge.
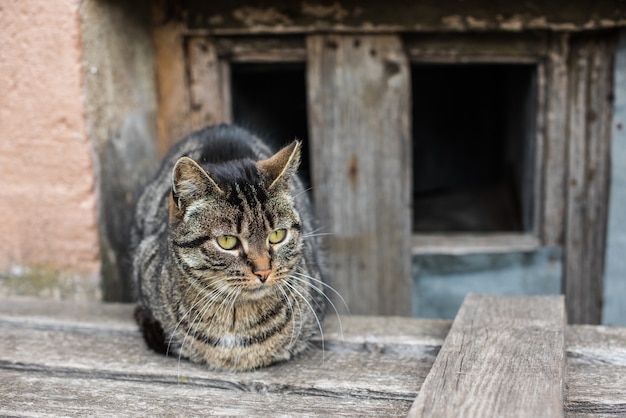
(39, 394)
(589, 128)
(262, 50)
(206, 86)
(359, 118)
(383, 335)
(597, 390)
(174, 113)
(460, 244)
(121, 356)
(503, 356)
(476, 47)
(596, 371)
(370, 16)
(596, 345)
(362, 358)
(555, 144)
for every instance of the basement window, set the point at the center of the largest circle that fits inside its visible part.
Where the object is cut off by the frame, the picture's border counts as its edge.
(271, 101)
(473, 147)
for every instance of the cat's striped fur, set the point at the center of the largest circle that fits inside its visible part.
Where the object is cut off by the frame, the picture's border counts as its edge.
(236, 309)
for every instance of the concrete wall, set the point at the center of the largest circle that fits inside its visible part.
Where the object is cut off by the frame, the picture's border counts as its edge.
(48, 222)
(615, 270)
(120, 101)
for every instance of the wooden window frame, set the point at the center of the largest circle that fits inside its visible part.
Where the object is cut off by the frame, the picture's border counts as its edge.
(573, 121)
(492, 49)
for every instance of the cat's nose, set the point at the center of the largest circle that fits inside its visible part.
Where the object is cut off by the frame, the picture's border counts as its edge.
(262, 274)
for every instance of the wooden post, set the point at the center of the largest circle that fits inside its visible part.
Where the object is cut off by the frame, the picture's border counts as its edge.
(359, 120)
(174, 118)
(503, 357)
(208, 84)
(587, 185)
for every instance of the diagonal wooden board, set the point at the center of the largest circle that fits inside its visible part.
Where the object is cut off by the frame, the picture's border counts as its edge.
(504, 356)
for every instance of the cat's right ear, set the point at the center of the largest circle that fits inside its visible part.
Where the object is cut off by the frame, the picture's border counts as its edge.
(190, 181)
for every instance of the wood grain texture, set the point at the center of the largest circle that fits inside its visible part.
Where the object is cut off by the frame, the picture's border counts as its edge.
(596, 371)
(460, 244)
(58, 356)
(500, 353)
(359, 118)
(589, 129)
(39, 394)
(428, 16)
(555, 144)
(206, 84)
(477, 47)
(262, 50)
(174, 113)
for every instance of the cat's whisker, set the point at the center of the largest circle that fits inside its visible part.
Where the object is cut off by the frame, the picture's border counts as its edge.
(321, 292)
(327, 286)
(319, 324)
(293, 314)
(300, 313)
(209, 296)
(194, 303)
(316, 230)
(303, 192)
(321, 234)
(212, 297)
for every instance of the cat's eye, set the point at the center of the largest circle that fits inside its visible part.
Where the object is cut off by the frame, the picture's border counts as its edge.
(277, 236)
(227, 242)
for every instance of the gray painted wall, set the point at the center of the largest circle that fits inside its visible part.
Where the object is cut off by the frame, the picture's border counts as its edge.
(614, 312)
(442, 281)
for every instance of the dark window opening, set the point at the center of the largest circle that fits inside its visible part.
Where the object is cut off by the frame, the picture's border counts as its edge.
(270, 100)
(473, 147)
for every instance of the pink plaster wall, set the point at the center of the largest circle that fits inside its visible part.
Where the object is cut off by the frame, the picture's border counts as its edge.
(47, 196)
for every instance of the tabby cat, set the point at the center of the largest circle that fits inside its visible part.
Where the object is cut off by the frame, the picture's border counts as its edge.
(226, 264)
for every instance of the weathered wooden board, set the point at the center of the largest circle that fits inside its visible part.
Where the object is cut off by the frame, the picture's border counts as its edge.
(71, 359)
(554, 140)
(70, 354)
(383, 335)
(503, 356)
(282, 49)
(39, 394)
(596, 371)
(589, 130)
(349, 16)
(486, 47)
(460, 244)
(209, 87)
(174, 113)
(359, 118)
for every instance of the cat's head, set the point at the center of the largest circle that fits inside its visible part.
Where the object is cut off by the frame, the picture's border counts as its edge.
(234, 225)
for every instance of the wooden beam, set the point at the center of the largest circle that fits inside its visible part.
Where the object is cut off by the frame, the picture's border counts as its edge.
(504, 356)
(554, 141)
(237, 17)
(208, 84)
(360, 142)
(587, 186)
(174, 112)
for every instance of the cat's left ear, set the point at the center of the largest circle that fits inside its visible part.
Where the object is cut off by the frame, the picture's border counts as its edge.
(280, 167)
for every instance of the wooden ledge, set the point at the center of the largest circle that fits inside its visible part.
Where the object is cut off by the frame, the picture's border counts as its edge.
(71, 359)
(503, 356)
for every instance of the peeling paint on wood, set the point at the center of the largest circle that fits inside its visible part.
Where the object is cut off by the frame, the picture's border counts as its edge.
(284, 16)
